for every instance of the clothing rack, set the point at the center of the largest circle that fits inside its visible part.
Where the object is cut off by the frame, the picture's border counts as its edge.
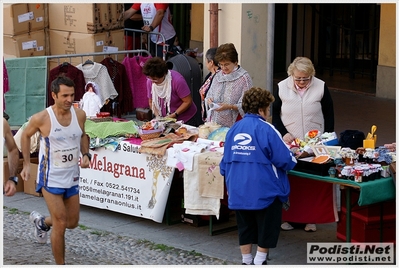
(147, 36)
(84, 56)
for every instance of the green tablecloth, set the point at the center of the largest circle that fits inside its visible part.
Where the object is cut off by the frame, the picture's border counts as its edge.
(371, 192)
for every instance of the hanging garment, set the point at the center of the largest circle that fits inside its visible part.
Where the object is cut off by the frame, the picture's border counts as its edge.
(137, 80)
(27, 78)
(118, 75)
(6, 87)
(71, 72)
(98, 74)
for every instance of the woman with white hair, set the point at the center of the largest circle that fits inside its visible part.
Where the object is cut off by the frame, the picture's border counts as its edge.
(303, 103)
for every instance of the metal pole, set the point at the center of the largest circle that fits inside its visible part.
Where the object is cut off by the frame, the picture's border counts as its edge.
(214, 25)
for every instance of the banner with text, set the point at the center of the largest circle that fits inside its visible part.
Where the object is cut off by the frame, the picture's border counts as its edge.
(126, 181)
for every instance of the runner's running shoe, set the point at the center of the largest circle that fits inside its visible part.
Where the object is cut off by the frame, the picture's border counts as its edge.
(41, 228)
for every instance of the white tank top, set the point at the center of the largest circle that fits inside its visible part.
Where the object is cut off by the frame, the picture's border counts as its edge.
(59, 153)
(148, 12)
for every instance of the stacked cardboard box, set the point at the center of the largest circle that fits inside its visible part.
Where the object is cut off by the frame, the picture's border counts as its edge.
(30, 185)
(24, 30)
(85, 18)
(63, 42)
(57, 29)
(85, 28)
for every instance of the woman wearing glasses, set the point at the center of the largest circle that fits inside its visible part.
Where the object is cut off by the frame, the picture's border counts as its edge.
(227, 88)
(168, 92)
(303, 103)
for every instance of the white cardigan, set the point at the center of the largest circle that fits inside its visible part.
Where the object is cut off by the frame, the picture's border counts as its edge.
(301, 114)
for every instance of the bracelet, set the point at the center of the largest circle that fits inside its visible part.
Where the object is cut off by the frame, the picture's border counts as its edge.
(151, 28)
(176, 114)
(14, 179)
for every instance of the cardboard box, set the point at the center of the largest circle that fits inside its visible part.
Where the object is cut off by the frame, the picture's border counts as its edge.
(30, 185)
(63, 42)
(26, 45)
(6, 174)
(85, 18)
(24, 18)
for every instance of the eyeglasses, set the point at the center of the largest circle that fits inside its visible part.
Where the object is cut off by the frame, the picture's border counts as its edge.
(226, 65)
(302, 79)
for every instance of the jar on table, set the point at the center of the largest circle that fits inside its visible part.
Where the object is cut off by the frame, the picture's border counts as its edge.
(366, 172)
(346, 172)
(376, 168)
(358, 174)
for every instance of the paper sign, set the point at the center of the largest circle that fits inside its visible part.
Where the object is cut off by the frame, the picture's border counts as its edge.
(25, 17)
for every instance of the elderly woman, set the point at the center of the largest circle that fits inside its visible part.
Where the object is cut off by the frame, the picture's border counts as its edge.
(256, 176)
(228, 87)
(168, 92)
(212, 66)
(303, 103)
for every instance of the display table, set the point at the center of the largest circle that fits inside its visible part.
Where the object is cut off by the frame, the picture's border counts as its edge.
(370, 192)
(127, 181)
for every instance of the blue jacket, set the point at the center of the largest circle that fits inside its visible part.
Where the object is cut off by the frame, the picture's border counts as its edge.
(255, 164)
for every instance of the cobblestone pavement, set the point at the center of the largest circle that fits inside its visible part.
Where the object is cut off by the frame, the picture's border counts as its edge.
(86, 246)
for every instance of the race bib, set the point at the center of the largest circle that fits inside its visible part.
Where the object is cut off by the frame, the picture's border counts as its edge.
(65, 158)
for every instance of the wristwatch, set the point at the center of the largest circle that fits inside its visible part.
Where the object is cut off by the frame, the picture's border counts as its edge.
(14, 179)
(88, 155)
(152, 28)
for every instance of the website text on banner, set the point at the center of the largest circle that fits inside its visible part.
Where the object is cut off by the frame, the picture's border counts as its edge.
(126, 181)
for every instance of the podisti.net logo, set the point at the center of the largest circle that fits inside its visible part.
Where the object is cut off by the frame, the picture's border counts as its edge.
(350, 253)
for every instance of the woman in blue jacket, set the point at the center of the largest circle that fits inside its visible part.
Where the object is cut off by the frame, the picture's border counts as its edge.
(255, 165)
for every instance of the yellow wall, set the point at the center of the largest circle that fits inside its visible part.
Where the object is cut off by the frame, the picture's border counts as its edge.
(197, 22)
(387, 49)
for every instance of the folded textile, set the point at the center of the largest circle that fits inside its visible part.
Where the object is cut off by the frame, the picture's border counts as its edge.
(110, 129)
(110, 143)
(182, 155)
(211, 183)
(158, 146)
(194, 203)
(34, 140)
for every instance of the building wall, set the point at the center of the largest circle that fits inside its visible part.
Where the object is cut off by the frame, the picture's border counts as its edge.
(386, 69)
(245, 26)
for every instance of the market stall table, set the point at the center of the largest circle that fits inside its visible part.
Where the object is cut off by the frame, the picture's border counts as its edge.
(370, 192)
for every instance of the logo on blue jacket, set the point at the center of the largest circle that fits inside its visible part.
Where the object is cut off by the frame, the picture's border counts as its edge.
(242, 140)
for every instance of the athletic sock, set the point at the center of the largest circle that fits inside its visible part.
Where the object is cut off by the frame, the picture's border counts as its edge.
(260, 257)
(247, 258)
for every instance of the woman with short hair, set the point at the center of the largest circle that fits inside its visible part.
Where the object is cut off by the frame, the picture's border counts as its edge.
(228, 87)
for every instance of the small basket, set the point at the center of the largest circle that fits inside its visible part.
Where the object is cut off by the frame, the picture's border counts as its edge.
(101, 119)
(150, 134)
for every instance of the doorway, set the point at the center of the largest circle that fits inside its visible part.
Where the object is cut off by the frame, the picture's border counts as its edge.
(341, 40)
